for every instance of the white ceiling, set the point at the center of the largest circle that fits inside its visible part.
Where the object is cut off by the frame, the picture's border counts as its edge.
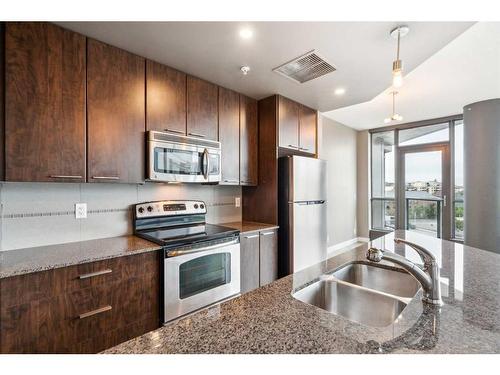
(362, 52)
(464, 71)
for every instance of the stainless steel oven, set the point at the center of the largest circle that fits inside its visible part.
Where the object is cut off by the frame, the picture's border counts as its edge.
(196, 277)
(177, 158)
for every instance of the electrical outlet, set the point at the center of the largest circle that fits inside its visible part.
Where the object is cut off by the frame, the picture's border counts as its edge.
(81, 210)
(237, 201)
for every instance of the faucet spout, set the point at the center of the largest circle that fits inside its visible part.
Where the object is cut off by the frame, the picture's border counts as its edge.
(428, 278)
(427, 257)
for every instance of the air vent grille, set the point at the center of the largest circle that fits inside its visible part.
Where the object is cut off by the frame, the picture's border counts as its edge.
(305, 68)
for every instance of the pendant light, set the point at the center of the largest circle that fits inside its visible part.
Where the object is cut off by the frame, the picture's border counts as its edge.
(394, 116)
(397, 65)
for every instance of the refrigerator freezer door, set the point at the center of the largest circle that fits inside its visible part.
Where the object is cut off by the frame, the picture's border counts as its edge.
(308, 179)
(309, 234)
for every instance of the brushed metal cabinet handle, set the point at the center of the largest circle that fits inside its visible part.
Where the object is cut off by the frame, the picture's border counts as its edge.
(266, 233)
(93, 274)
(94, 312)
(197, 135)
(303, 148)
(63, 176)
(292, 146)
(105, 177)
(174, 131)
(232, 181)
(251, 236)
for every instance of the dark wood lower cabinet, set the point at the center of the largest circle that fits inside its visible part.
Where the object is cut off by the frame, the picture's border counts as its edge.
(57, 311)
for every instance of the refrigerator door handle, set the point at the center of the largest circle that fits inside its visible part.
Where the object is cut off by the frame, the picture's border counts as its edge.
(305, 203)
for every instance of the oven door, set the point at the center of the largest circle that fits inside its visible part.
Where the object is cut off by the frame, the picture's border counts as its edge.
(177, 162)
(201, 278)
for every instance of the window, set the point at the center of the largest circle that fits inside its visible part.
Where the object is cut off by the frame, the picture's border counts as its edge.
(424, 134)
(426, 180)
(458, 183)
(383, 181)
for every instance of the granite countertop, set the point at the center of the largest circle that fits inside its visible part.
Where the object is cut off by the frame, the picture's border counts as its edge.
(34, 259)
(249, 226)
(270, 320)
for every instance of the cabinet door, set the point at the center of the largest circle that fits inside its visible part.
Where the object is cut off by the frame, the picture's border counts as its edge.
(288, 123)
(44, 103)
(268, 256)
(229, 135)
(248, 141)
(165, 98)
(249, 264)
(116, 114)
(201, 108)
(307, 129)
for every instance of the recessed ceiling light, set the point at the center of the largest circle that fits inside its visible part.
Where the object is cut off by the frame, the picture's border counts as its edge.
(246, 33)
(339, 91)
(245, 69)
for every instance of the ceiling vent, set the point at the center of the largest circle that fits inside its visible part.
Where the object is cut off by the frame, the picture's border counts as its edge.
(305, 68)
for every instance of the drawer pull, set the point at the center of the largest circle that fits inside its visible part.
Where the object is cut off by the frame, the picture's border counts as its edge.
(252, 236)
(232, 181)
(92, 274)
(295, 147)
(174, 131)
(94, 312)
(106, 177)
(266, 233)
(303, 149)
(64, 176)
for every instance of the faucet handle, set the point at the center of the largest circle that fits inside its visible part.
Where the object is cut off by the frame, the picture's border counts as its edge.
(374, 254)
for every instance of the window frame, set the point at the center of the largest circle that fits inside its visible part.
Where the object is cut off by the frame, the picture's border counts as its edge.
(451, 120)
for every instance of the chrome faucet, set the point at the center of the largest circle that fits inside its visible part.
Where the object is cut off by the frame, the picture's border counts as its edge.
(428, 277)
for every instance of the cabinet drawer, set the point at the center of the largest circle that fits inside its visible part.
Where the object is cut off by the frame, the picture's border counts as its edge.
(68, 310)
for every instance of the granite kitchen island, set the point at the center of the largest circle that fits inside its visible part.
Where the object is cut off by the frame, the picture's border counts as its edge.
(271, 320)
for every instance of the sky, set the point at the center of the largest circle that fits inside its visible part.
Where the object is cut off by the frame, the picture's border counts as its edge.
(426, 166)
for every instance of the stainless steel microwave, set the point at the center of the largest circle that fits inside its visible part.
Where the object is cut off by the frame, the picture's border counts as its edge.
(177, 158)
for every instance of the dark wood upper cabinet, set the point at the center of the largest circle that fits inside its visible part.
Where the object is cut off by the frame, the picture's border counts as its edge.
(116, 114)
(307, 126)
(44, 103)
(202, 100)
(229, 136)
(249, 162)
(288, 123)
(165, 98)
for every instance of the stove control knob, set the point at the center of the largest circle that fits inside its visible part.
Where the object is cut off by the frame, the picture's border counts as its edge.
(196, 205)
(150, 208)
(141, 210)
(202, 206)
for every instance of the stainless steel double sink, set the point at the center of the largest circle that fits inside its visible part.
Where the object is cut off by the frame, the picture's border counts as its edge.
(371, 295)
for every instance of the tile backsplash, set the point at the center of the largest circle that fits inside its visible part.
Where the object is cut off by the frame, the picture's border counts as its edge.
(37, 214)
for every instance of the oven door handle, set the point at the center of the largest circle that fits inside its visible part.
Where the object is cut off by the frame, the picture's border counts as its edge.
(205, 164)
(176, 253)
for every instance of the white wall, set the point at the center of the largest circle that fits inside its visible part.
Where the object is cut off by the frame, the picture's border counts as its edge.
(337, 145)
(37, 214)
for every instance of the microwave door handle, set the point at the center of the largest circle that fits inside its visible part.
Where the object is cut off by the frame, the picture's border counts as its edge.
(205, 164)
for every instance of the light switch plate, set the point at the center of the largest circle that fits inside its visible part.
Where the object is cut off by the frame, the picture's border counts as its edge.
(237, 201)
(81, 210)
